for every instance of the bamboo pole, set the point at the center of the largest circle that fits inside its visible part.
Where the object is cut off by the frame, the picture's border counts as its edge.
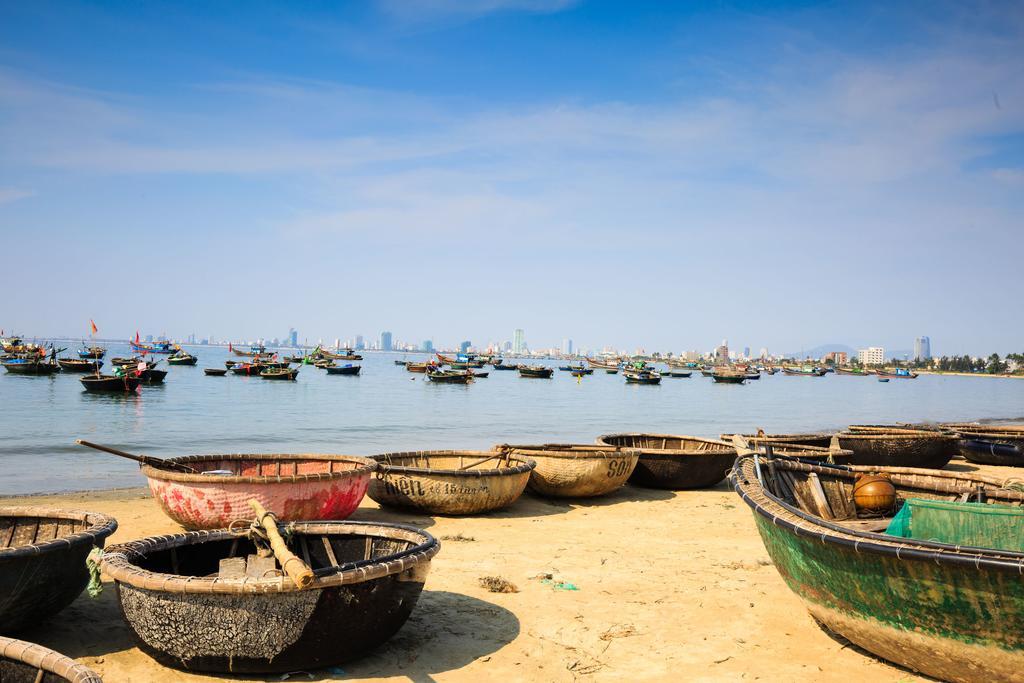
(296, 569)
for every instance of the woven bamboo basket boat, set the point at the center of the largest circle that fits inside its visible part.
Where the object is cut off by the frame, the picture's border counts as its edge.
(187, 615)
(22, 662)
(294, 487)
(575, 470)
(42, 560)
(670, 461)
(993, 447)
(817, 439)
(901, 447)
(900, 427)
(450, 482)
(831, 455)
(945, 610)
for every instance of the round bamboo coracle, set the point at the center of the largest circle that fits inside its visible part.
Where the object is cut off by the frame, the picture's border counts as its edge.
(42, 560)
(817, 439)
(21, 661)
(449, 482)
(576, 470)
(901, 447)
(670, 461)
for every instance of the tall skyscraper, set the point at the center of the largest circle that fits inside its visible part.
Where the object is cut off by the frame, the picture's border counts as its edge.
(922, 348)
(567, 347)
(464, 346)
(518, 342)
(293, 337)
(360, 344)
(428, 346)
(385, 341)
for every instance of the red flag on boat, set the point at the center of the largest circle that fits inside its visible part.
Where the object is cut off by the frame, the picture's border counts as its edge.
(229, 347)
(93, 326)
(136, 336)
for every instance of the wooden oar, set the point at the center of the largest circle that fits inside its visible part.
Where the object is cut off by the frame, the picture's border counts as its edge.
(295, 568)
(144, 459)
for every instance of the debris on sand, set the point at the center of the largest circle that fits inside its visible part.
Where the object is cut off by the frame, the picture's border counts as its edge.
(496, 584)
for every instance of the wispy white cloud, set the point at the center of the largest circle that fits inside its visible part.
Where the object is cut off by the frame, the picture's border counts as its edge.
(13, 194)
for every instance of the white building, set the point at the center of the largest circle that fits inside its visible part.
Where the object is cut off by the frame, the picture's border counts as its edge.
(873, 355)
(518, 342)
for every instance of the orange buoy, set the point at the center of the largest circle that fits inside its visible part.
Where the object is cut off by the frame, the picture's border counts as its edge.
(874, 493)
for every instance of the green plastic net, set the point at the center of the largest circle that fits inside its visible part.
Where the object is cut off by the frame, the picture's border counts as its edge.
(978, 525)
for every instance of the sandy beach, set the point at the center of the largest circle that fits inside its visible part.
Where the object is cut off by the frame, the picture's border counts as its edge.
(669, 585)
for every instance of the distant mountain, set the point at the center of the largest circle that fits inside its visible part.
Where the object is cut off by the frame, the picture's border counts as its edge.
(819, 351)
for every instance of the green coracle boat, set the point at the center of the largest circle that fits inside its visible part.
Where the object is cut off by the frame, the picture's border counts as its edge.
(950, 611)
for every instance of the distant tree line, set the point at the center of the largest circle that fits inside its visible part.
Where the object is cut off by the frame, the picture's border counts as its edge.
(993, 365)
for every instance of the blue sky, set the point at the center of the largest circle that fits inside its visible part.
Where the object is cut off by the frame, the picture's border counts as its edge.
(639, 174)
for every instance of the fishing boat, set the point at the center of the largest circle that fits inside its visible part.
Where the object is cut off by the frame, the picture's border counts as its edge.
(856, 372)
(421, 367)
(575, 470)
(347, 369)
(883, 379)
(347, 355)
(537, 371)
(30, 663)
(506, 366)
(450, 376)
(897, 373)
(214, 372)
(247, 369)
(669, 461)
(79, 364)
(642, 376)
(110, 383)
(279, 373)
(992, 446)
(726, 376)
(603, 364)
(753, 375)
(676, 374)
(331, 592)
(933, 595)
(95, 352)
(611, 371)
(161, 346)
(901, 447)
(804, 371)
(134, 361)
(401, 362)
(30, 366)
(707, 372)
(151, 376)
(254, 351)
(211, 491)
(180, 357)
(449, 482)
(42, 561)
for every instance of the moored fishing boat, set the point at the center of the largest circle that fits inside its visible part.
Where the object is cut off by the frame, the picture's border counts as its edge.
(937, 605)
(255, 351)
(726, 376)
(643, 376)
(347, 369)
(247, 369)
(347, 355)
(575, 470)
(670, 461)
(245, 614)
(506, 366)
(30, 366)
(95, 352)
(857, 372)
(110, 383)
(286, 374)
(900, 447)
(538, 371)
(161, 346)
(180, 357)
(42, 561)
(897, 373)
(151, 376)
(450, 376)
(421, 367)
(215, 372)
(804, 371)
(450, 482)
(79, 364)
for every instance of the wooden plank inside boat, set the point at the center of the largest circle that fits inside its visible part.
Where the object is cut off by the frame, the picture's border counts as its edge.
(7, 526)
(24, 532)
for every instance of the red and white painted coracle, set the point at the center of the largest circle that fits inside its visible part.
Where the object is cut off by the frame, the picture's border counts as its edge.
(294, 487)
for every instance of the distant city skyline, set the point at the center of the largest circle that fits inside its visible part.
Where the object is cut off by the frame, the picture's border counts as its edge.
(656, 175)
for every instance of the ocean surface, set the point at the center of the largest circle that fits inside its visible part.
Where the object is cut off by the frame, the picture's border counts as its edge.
(388, 409)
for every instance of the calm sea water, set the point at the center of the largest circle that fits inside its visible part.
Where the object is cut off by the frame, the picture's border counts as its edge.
(388, 409)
